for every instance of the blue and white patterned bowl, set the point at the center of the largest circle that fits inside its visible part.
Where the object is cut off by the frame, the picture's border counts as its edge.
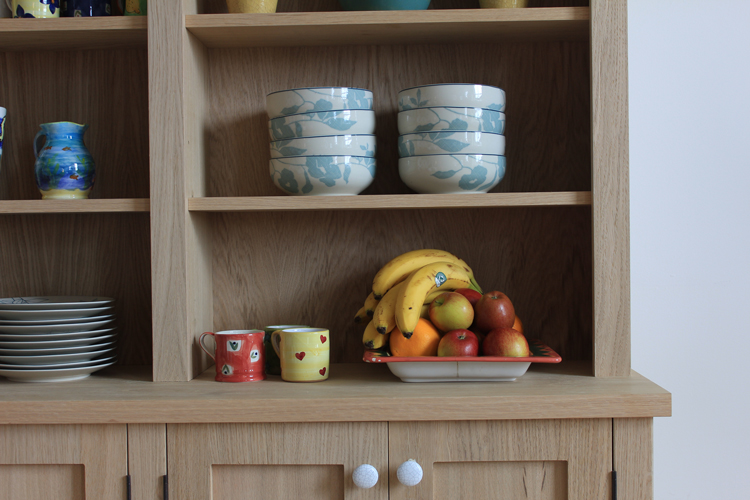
(327, 145)
(323, 175)
(305, 100)
(453, 95)
(452, 174)
(453, 119)
(346, 121)
(435, 143)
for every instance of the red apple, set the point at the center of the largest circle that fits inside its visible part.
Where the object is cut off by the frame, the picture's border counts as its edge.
(505, 342)
(451, 311)
(458, 343)
(470, 294)
(494, 310)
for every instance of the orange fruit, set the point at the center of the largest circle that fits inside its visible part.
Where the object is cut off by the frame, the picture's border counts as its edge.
(423, 342)
(517, 325)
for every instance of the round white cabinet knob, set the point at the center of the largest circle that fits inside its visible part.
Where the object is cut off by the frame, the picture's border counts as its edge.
(365, 476)
(409, 473)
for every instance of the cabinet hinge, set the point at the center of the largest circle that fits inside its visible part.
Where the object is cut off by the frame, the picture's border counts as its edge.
(614, 485)
(127, 485)
(165, 496)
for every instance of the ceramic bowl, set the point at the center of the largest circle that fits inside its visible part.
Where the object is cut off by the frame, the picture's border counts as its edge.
(251, 6)
(452, 95)
(502, 4)
(452, 174)
(435, 143)
(451, 119)
(323, 175)
(305, 100)
(327, 145)
(346, 121)
(384, 4)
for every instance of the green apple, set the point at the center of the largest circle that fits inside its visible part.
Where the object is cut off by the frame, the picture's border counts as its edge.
(451, 311)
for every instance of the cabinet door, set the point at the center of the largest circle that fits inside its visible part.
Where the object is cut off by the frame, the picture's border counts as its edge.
(535, 459)
(63, 462)
(297, 461)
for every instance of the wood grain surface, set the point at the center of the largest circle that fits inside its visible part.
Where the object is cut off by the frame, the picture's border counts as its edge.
(147, 460)
(317, 268)
(74, 206)
(317, 452)
(610, 187)
(99, 450)
(582, 448)
(103, 255)
(354, 392)
(634, 457)
(548, 123)
(72, 33)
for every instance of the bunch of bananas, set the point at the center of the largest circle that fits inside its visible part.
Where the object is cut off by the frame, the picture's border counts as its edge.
(403, 289)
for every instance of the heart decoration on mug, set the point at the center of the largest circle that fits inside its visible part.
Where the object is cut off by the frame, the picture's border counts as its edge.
(322, 371)
(323, 339)
(300, 355)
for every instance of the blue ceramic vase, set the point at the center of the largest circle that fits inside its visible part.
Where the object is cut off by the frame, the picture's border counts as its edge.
(64, 167)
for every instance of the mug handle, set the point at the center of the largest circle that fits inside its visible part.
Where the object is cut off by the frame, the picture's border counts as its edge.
(37, 136)
(203, 346)
(276, 342)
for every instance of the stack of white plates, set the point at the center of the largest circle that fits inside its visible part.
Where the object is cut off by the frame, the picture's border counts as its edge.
(55, 338)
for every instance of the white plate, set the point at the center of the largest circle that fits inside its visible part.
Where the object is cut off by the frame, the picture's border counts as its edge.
(42, 329)
(53, 366)
(47, 336)
(53, 375)
(51, 359)
(51, 344)
(54, 302)
(52, 314)
(52, 322)
(50, 351)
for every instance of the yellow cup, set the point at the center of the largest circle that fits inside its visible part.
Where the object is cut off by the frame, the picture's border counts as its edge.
(34, 8)
(254, 6)
(304, 353)
(502, 4)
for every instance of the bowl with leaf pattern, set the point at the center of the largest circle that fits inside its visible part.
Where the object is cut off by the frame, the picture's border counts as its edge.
(310, 99)
(323, 175)
(436, 119)
(452, 95)
(452, 174)
(435, 143)
(327, 145)
(319, 123)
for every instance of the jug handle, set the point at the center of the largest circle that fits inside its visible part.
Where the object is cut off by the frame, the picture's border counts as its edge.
(203, 346)
(10, 7)
(275, 341)
(36, 138)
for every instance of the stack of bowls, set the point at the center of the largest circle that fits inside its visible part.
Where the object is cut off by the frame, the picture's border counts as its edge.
(322, 140)
(55, 339)
(451, 138)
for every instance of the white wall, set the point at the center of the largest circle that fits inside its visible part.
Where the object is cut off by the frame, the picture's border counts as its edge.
(689, 70)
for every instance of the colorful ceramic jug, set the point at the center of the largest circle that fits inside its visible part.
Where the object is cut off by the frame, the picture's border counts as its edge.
(64, 168)
(34, 8)
(135, 7)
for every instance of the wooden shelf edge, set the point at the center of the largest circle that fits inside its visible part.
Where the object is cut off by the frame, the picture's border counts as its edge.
(388, 202)
(75, 206)
(389, 27)
(70, 33)
(355, 392)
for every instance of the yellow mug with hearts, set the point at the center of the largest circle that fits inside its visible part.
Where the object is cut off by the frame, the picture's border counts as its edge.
(304, 353)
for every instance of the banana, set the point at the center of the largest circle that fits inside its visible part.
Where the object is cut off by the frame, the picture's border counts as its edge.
(400, 267)
(370, 304)
(385, 313)
(432, 294)
(438, 275)
(361, 315)
(372, 339)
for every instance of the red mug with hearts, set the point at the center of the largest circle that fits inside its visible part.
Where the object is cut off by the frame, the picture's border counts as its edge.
(304, 353)
(239, 355)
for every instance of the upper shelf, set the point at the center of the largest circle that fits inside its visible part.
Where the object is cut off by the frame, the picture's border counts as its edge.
(388, 201)
(390, 27)
(73, 33)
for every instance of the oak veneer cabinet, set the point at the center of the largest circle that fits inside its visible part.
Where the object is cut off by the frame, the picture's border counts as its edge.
(186, 230)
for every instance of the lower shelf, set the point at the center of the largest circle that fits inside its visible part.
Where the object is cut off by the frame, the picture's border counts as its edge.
(354, 392)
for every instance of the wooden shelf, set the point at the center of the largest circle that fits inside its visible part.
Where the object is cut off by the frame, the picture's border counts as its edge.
(73, 33)
(389, 27)
(388, 202)
(354, 392)
(74, 206)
